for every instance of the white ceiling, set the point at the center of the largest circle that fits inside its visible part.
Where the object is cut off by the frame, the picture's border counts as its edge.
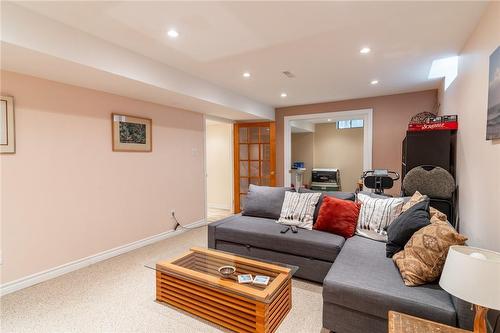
(36, 45)
(318, 41)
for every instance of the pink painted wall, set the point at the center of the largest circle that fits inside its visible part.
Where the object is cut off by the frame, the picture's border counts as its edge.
(390, 120)
(66, 195)
(478, 160)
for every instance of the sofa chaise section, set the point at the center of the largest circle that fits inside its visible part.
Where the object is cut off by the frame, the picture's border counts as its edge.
(363, 285)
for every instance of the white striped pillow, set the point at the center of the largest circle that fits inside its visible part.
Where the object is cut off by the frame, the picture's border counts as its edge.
(298, 209)
(376, 214)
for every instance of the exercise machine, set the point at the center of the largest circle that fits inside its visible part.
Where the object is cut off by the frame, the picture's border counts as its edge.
(379, 180)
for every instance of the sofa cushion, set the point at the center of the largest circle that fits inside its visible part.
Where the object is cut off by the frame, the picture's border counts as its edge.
(363, 279)
(265, 234)
(264, 201)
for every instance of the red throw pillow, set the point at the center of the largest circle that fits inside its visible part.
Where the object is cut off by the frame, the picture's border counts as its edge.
(338, 216)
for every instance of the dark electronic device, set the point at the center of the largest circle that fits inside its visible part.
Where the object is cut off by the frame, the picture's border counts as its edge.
(326, 180)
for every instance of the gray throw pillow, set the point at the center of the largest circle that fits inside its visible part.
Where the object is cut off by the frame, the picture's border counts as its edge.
(339, 195)
(264, 201)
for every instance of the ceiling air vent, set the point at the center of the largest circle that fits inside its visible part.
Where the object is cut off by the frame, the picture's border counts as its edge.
(288, 74)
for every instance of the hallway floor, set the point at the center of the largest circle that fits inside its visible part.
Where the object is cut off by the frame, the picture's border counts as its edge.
(215, 214)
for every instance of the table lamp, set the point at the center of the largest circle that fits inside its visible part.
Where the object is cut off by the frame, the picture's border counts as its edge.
(473, 275)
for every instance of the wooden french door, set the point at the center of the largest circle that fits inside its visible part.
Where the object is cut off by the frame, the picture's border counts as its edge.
(254, 158)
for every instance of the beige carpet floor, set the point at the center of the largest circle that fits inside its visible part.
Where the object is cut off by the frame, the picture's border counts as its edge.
(117, 295)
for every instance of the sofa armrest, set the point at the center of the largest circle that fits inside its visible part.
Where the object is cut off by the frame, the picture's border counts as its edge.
(211, 230)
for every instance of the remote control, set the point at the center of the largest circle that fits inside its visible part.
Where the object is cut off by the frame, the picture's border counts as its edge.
(284, 230)
(294, 229)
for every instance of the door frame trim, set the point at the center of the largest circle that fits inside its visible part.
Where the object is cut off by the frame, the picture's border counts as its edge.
(365, 114)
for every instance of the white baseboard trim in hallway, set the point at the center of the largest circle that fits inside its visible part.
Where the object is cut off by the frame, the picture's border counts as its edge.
(48, 274)
(219, 206)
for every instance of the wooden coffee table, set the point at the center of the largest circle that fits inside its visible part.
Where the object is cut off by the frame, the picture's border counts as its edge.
(192, 283)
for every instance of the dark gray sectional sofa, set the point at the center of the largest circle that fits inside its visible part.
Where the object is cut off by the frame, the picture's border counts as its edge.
(360, 285)
(363, 285)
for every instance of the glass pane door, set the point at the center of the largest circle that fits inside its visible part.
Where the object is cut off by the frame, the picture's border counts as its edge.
(254, 158)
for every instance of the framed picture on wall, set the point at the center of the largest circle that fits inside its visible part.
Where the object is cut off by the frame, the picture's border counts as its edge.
(493, 118)
(7, 128)
(132, 134)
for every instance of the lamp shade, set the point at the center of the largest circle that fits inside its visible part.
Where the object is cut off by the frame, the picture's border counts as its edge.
(473, 275)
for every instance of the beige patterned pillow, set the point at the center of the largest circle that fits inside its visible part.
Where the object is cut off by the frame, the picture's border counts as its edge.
(418, 197)
(415, 199)
(436, 215)
(423, 257)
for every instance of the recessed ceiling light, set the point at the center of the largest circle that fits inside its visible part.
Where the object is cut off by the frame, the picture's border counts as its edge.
(365, 50)
(246, 74)
(283, 95)
(374, 82)
(172, 33)
(329, 119)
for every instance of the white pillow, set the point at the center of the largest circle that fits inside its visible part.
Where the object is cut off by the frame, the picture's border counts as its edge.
(376, 214)
(298, 209)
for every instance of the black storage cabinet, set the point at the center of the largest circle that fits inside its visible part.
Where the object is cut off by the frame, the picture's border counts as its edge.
(431, 148)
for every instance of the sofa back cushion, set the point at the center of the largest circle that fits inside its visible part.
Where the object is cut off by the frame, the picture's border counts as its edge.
(264, 201)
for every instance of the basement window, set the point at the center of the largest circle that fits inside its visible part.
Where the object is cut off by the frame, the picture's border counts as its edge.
(354, 123)
(445, 67)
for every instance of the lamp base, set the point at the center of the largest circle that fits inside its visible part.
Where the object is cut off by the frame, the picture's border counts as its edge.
(480, 319)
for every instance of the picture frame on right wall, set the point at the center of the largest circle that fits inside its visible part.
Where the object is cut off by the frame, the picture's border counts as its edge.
(493, 117)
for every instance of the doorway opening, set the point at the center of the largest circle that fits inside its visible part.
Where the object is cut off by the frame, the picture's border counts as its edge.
(219, 168)
(329, 151)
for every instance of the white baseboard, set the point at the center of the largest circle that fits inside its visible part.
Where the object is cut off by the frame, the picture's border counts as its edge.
(48, 274)
(219, 206)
